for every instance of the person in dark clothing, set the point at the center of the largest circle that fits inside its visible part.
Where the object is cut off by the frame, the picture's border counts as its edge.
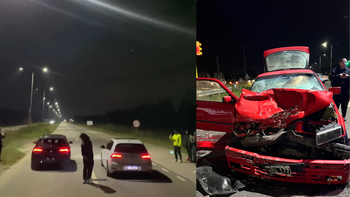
(1, 137)
(88, 156)
(187, 145)
(339, 77)
(193, 140)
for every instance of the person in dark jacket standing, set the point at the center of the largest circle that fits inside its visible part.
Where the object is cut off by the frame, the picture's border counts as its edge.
(340, 78)
(187, 145)
(88, 156)
(1, 137)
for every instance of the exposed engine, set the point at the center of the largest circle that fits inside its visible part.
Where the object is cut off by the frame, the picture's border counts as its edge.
(316, 136)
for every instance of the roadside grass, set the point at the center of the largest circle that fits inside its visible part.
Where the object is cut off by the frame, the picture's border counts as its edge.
(237, 88)
(15, 139)
(157, 138)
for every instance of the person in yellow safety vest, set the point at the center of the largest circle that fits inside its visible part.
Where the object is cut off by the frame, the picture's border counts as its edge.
(176, 138)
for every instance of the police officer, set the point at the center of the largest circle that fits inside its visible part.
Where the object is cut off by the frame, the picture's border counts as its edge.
(340, 78)
(88, 156)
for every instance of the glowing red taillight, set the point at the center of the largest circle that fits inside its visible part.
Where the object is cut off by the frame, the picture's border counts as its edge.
(116, 155)
(146, 156)
(64, 150)
(37, 149)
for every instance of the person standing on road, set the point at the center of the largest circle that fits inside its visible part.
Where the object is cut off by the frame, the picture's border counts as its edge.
(88, 156)
(193, 146)
(340, 78)
(1, 137)
(187, 145)
(176, 138)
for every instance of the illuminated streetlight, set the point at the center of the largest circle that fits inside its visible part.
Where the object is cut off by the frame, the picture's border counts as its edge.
(324, 44)
(51, 89)
(45, 70)
(20, 69)
(56, 103)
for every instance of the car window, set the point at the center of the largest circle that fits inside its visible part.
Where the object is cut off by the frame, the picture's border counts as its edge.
(56, 142)
(130, 148)
(294, 81)
(109, 145)
(210, 91)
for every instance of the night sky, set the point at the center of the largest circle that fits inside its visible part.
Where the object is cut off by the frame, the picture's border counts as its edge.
(223, 27)
(101, 55)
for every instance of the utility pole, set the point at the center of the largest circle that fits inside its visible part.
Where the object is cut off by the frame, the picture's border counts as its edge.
(217, 64)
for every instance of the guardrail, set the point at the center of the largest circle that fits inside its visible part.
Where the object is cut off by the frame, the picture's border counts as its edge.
(211, 92)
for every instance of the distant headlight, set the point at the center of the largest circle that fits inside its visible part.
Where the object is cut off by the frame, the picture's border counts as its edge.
(253, 81)
(249, 81)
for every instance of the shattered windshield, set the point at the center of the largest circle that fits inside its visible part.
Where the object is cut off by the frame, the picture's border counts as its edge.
(294, 81)
(287, 60)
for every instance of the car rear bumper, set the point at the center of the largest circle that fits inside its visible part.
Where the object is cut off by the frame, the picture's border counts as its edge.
(332, 172)
(115, 167)
(50, 160)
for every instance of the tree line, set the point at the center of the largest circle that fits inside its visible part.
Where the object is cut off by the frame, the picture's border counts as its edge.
(153, 116)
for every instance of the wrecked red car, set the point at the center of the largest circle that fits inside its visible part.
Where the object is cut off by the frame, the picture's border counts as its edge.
(285, 128)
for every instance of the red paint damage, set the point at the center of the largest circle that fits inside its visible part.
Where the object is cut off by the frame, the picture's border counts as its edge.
(279, 107)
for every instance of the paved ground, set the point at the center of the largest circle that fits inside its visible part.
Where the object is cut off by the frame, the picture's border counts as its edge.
(169, 179)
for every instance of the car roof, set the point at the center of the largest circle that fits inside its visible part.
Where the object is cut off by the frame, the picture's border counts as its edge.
(53, 136)
(281, 72)
(126, 140)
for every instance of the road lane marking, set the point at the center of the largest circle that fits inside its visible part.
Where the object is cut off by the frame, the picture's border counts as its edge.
(154, 164)
(165, 170)
(179, 177)
(93, 176)
(77, 139)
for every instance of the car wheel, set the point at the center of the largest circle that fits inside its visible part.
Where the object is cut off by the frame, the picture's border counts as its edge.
(108, 172)
(102, 162)
(34, 166)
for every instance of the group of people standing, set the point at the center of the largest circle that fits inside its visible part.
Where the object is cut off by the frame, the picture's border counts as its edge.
(188, 142)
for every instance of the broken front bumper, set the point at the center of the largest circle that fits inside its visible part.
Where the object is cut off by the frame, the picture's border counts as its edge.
(333, 172)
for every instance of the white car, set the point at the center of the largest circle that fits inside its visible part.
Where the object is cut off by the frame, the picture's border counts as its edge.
(125, 155)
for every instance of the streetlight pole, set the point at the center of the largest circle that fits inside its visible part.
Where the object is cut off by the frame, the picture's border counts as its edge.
(31, 99)
(44, 106)
(330, 66)
(245, 68)
(320, 64)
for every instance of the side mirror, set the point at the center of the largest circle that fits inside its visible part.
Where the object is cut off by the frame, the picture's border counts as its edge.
(335, 90)
(70, 142)
(227, 99)
(103, 146)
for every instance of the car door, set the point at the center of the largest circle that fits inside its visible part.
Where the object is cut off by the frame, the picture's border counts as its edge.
(214, 117)
(106, 152)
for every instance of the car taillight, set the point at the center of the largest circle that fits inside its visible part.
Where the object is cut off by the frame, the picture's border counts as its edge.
(116, 155)
(64, 150)
(37, 149)
(146, 156)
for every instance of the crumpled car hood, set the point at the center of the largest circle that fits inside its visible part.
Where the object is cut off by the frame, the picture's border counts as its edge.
(278, 107)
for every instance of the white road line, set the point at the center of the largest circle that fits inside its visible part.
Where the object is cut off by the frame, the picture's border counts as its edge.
(77, 139)
(93, 176)
(179, 177)
(154, 164)
(165, 170)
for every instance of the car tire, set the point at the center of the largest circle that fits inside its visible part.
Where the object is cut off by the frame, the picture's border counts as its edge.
(34, 166)
(108, 172)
